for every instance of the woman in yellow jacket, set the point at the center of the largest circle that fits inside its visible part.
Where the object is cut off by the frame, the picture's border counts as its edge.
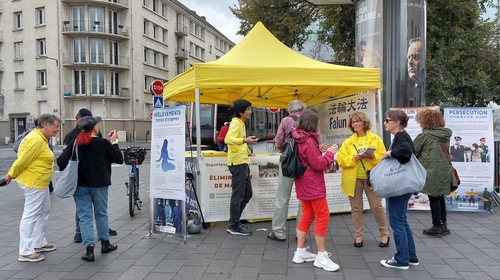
(359, 153)
(33, 171)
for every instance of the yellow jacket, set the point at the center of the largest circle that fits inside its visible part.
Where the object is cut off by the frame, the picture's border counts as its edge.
(237, 151)
(345, 158)
(35, 162)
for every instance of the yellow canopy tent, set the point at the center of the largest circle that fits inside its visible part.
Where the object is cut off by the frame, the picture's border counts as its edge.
(267, 73)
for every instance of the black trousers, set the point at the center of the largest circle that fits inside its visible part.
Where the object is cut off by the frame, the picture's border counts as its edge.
(242, 192)
(438, 210)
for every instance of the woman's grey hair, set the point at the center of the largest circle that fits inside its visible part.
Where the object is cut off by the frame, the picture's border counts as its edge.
(47, 119)
(296, 106)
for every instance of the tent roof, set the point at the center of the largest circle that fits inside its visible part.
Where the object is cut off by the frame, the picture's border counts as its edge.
(267, 73)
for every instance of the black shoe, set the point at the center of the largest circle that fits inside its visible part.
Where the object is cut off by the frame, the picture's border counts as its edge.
(77, 238)
(445, 229)
(358, 244)
(273, 236)
(107, 247)
(89, 254)
(434, 231)
(112, 232)
(382, 244)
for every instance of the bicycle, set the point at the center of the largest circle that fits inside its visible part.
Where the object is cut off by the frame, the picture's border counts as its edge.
(133, 156)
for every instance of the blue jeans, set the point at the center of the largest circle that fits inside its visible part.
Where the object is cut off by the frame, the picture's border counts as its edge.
(242, 192)
(403, 237)
(92, 202)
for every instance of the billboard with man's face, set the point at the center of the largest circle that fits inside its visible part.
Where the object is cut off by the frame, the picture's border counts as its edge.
(415, 53)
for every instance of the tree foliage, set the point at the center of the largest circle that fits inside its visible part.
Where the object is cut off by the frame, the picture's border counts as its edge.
(288, 20)
(463, 51)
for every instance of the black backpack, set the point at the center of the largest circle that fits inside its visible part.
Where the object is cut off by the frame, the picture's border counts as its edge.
(291, 166)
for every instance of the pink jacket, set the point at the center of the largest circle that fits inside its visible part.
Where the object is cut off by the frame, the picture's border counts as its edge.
(311, 185)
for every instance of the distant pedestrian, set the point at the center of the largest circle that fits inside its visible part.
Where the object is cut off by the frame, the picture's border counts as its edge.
(222, 135)
(33, 170)
(237, 161)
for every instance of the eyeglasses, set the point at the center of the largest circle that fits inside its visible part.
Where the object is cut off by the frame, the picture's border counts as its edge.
(387, 120)
(415, 57)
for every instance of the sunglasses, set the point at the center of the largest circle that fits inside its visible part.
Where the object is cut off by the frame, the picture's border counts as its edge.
(387, 120)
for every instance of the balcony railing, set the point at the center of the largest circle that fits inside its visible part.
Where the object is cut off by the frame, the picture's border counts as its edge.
(119, 2)
(180, 54)
(95, 27)
(97, 59)
(181, 30)
(76, 91)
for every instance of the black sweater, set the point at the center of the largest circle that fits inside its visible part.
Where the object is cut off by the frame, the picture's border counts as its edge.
(94, 168)
(402, 147)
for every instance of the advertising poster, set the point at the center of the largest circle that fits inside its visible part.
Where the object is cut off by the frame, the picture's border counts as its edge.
(413, 127)
(415, 54)
(369, 34)
(472, 152)
(167, 173)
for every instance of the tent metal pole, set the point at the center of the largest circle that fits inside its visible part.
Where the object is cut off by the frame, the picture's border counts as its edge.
(380, 115)
(198, 138)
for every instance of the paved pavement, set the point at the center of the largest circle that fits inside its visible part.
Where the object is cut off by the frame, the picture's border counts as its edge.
(469, 252)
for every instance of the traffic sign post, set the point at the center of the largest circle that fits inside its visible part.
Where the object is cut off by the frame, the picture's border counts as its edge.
(156, 88)
(158, 101)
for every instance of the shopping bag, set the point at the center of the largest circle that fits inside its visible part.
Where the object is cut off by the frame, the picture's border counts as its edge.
(390, 178)
(67, 181)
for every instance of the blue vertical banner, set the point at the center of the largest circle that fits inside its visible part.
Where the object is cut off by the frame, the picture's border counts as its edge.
(167, 173)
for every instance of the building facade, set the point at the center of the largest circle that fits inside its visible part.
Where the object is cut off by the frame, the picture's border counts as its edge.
(59, 56)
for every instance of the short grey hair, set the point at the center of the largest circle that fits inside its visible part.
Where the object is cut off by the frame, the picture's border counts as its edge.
(296, 106)
(48, 119)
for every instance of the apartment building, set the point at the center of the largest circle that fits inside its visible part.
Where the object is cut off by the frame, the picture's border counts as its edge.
(59, 56)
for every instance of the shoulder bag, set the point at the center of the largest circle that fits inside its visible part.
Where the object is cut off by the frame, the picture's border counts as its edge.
(390, 178)
(67, 181)
(453, 170)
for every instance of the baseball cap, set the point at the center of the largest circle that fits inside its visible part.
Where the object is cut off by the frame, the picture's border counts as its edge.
(87, 123)
(84, 113)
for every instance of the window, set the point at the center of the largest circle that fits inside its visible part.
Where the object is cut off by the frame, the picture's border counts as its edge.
(113, 22)
(19, 80)
(41, 47)
(18, 50)
(146, 54)
(113, 53)
(96, 51)
(114, 82)
(78, 14)
(164, 10)
(156, 31)
(165, 61)
(97, 82)
(155, 4)
(42, 78)
(165, 36)
(40, 16)
(156, 57)
(96, 19)
(146, 27)
(18, 20)
(145, 3)
(79, 81)
(79, 53)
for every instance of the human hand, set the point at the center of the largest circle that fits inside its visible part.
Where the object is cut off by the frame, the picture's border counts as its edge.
(333, 148)
(368, 155)
(113, 136)
(251, 140)
(386, 154)
(323, 147)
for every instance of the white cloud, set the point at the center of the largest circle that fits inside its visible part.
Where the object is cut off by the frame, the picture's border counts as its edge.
(217, 13)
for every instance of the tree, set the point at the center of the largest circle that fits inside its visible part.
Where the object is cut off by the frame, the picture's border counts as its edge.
(288, 20)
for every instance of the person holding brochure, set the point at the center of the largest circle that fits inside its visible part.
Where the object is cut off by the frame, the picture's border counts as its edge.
(359, 154)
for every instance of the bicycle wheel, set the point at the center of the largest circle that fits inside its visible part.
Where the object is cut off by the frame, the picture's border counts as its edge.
(131, 196)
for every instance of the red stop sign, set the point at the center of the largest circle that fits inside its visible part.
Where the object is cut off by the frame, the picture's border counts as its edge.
(156, 87)
(274, 109)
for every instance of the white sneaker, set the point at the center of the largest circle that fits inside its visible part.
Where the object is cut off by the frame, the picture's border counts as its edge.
(324, 262)
(304, 257)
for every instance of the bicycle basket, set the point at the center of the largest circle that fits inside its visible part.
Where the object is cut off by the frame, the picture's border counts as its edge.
(137, 154)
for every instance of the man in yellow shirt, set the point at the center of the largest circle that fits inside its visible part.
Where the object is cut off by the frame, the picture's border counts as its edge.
(237, 161)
